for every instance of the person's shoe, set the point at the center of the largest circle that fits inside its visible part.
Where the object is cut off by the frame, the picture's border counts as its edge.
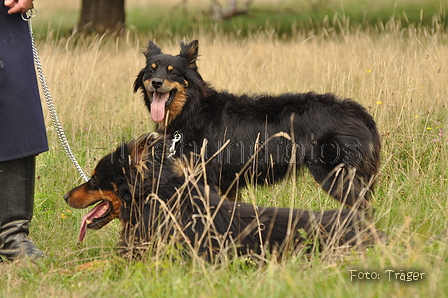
(16, 209)
(16, 245)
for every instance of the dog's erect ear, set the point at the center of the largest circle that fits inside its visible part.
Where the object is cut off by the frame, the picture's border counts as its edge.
(190, 52)
(152, 50)
(139, 148)
(139, 80)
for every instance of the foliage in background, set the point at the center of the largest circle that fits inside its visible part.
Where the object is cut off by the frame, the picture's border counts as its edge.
(285, 18)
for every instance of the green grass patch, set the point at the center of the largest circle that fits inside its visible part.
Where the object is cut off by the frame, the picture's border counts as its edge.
(396, 71)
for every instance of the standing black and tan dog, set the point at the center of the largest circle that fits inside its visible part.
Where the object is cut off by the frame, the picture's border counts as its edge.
(262, 135)
(156, 199)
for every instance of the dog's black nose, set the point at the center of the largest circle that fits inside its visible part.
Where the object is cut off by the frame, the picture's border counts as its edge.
(157, 83)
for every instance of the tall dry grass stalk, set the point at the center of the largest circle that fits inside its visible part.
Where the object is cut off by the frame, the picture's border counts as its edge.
(399, 77)
(187, 214)
(393, 75)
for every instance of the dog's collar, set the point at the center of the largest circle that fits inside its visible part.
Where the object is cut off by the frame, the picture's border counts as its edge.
(172, 149)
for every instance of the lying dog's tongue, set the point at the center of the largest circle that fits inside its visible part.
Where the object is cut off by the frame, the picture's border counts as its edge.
(158, 106)
(96, 212)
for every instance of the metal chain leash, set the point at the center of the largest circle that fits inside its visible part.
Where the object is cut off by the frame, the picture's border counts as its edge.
(48, 99)
(176, 138)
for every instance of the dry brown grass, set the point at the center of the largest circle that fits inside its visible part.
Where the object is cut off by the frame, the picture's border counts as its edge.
(400, 75)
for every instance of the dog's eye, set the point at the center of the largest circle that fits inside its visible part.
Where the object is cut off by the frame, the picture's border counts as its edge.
(151, 70)
(171, 72)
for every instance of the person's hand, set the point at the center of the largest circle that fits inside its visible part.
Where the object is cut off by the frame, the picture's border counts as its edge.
(16, 6)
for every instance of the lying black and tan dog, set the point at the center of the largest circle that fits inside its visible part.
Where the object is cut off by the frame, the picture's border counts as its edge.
(155, 196)
(336, 139)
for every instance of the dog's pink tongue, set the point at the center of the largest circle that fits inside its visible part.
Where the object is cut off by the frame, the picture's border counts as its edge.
(158, 106)
(99, 210)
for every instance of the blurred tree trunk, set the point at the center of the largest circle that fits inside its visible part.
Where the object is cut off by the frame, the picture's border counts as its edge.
(101, 16)
(220, 12)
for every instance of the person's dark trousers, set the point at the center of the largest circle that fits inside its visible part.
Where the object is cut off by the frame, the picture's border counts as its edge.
(16, 209)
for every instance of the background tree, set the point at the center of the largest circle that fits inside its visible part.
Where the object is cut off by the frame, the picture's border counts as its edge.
(107, 16)
(102, 16)
(232, 9)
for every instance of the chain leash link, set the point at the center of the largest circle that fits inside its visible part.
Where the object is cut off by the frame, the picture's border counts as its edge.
(172, 150)
(48, 99)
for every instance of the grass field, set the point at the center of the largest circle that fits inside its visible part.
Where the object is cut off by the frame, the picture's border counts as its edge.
(399, 74)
